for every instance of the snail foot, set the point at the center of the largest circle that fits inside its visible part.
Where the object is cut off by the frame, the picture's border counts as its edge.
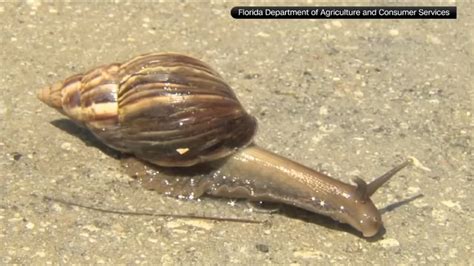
(171, 181)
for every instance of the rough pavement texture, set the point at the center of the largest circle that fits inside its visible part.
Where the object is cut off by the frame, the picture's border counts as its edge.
(349, 97)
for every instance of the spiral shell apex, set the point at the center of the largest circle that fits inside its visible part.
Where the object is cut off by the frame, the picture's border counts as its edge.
(168, 109)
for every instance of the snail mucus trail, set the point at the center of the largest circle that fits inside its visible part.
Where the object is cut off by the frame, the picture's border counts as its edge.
(172, 111)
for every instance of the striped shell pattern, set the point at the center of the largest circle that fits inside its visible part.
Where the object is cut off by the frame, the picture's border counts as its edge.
(168, 109)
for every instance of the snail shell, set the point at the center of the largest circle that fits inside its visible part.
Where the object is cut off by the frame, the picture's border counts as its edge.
(168, 109)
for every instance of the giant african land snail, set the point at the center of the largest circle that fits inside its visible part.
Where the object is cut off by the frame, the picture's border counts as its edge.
(174, 111)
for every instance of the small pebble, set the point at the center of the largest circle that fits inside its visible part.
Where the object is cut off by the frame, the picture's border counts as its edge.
(389, 243)
(393, 32)
(152, 240)
(323, 110)
(336, 23)
(66, 146)
(30, 225)
(40, 254)
(434, 40)
(456, 205)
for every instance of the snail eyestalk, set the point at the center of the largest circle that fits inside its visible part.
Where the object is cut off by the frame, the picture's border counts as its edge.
(379, 181)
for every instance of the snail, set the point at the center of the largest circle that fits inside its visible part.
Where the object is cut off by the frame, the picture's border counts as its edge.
(191, 136)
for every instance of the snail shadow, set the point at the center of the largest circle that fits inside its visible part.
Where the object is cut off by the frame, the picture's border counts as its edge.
(85, 136)
(320, 220)
(315, 219)
(395, 205)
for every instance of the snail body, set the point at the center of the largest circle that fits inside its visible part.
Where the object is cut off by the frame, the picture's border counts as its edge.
(193, 137)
